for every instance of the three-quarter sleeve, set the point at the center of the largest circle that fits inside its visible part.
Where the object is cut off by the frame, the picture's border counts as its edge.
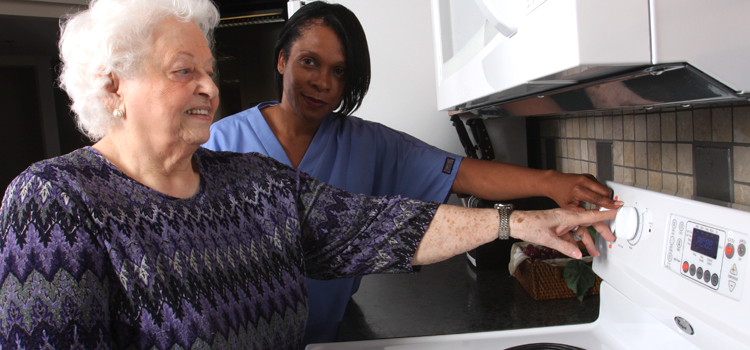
(347, 234)
(54, 290)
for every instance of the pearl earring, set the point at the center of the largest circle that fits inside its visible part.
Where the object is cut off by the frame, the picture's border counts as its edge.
(118, 113)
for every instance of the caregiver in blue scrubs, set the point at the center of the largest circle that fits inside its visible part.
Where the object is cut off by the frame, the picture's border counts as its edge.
(322, 75)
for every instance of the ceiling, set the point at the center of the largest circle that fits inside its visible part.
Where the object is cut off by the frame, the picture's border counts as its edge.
(36, 8)
(30, 27)
(229, 8)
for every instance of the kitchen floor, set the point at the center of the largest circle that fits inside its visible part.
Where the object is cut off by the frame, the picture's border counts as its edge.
(452, 297)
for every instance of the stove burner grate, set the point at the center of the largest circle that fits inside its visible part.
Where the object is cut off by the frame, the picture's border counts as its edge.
(544, 346)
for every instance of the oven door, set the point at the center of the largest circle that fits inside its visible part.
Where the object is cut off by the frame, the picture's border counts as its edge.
(622, 325)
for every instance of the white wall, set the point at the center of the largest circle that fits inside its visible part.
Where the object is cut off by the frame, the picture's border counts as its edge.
(402, 91)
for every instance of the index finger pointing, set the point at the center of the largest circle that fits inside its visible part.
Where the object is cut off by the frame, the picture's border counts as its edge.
(595, 218)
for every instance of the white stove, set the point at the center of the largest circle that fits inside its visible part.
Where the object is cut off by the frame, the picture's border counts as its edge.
(673, 279)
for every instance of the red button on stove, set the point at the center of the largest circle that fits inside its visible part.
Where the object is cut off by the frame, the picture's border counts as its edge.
(729, 250)
(685, 266)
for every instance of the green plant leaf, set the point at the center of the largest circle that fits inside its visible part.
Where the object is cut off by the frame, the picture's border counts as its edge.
(592, 232)
(579, 276)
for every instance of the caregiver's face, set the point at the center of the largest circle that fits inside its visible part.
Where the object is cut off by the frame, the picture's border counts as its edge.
(174, 98)
(314, 73)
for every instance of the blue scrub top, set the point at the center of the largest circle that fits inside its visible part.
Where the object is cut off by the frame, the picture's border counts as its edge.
(355, 155)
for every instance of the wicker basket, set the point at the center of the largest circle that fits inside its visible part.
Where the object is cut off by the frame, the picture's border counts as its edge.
(545, 282)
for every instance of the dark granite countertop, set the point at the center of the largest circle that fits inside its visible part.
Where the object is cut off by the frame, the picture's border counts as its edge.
(452, 297)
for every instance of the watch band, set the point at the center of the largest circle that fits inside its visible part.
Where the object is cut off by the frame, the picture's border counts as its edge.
(503, 231)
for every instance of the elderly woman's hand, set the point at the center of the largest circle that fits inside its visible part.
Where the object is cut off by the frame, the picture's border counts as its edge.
(570, 191)
(552, 228)
(455, 230)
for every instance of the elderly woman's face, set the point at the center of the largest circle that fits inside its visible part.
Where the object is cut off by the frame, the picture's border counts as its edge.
(314, 74)
(174, 98)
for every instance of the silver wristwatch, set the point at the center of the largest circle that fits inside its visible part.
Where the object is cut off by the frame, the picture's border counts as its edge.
(504, 210)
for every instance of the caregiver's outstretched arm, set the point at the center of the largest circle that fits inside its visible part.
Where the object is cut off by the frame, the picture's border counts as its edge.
(455, 230)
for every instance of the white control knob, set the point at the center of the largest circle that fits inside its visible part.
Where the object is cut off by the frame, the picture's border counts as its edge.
(626, 223)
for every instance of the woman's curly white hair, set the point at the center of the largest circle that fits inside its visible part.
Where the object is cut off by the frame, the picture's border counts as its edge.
(113, 36)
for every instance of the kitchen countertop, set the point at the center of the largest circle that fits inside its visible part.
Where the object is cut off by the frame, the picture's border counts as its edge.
(453, 297)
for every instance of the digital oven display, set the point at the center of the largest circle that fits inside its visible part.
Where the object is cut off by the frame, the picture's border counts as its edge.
(705, 243)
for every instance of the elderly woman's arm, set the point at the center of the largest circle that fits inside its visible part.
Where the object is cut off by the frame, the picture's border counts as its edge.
(455, 230)
(349, 235)
(54, 286)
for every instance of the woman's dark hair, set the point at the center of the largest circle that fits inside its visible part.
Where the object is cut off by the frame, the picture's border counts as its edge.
(349, 31)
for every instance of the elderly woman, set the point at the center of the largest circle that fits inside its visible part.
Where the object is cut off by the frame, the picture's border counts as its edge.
(322, 76)
(147, 241)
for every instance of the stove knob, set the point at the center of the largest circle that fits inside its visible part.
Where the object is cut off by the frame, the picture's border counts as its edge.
(626, 223)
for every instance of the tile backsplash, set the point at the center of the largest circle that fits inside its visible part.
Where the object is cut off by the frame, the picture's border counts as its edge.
(699, 153)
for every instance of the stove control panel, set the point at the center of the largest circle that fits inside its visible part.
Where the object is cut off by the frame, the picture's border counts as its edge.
(709, 255)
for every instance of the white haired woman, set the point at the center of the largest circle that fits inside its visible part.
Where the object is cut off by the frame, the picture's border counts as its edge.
(145, 240)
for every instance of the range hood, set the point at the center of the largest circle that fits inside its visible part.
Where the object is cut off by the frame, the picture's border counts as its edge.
(246, 12)
(545, 57)
(660, 86)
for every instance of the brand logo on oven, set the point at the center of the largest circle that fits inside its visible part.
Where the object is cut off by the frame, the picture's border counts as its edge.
(448, 166)
(684, 325)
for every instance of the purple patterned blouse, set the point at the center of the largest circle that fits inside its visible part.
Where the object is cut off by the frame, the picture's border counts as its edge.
(90, 258)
